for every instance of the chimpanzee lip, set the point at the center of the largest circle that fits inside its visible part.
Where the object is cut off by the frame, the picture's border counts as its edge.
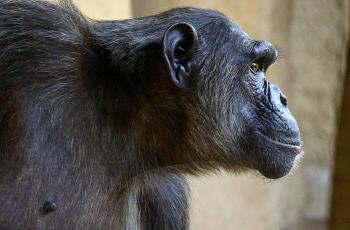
(293, 143)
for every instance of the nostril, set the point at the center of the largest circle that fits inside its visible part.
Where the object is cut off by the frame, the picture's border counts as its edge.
(266, 87)
(283, 100)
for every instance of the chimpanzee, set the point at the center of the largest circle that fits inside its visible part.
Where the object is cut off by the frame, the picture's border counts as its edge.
(101, 120)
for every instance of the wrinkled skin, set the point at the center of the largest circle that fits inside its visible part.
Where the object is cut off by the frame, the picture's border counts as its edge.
(268, 135)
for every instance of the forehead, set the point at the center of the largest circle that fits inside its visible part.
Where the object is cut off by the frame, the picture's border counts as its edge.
(233, 41)
(237, 35)
(239, 45)
(237, 29)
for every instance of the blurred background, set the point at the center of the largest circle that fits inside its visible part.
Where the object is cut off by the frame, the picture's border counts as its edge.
(313, 38)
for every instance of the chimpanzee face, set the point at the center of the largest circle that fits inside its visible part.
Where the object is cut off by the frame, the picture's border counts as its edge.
(270, 137)
(241, 119)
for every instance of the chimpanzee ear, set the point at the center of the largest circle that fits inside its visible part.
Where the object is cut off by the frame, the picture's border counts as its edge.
(179, 44)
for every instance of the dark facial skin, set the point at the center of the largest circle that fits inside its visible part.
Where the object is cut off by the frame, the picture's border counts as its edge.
(271, 137)
(275, 133)
(100, 121)
(276, 136)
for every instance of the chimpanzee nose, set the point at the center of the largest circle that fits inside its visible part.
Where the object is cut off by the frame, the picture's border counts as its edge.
(279, 101)
(277, 96)
(283, 99)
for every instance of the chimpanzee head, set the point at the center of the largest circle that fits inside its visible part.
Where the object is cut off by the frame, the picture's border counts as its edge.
(198, 83)
(238, 118)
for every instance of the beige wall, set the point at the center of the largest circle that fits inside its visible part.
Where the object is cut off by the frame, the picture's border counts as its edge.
(311, 36)
(105, 9)
(234, 9)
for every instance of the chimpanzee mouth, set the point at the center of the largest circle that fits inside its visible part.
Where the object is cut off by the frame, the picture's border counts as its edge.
(293, 144)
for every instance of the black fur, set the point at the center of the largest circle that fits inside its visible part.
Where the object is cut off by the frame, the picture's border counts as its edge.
(95, 135)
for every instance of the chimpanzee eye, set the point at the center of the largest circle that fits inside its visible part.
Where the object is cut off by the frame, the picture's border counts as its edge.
(255, 67)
